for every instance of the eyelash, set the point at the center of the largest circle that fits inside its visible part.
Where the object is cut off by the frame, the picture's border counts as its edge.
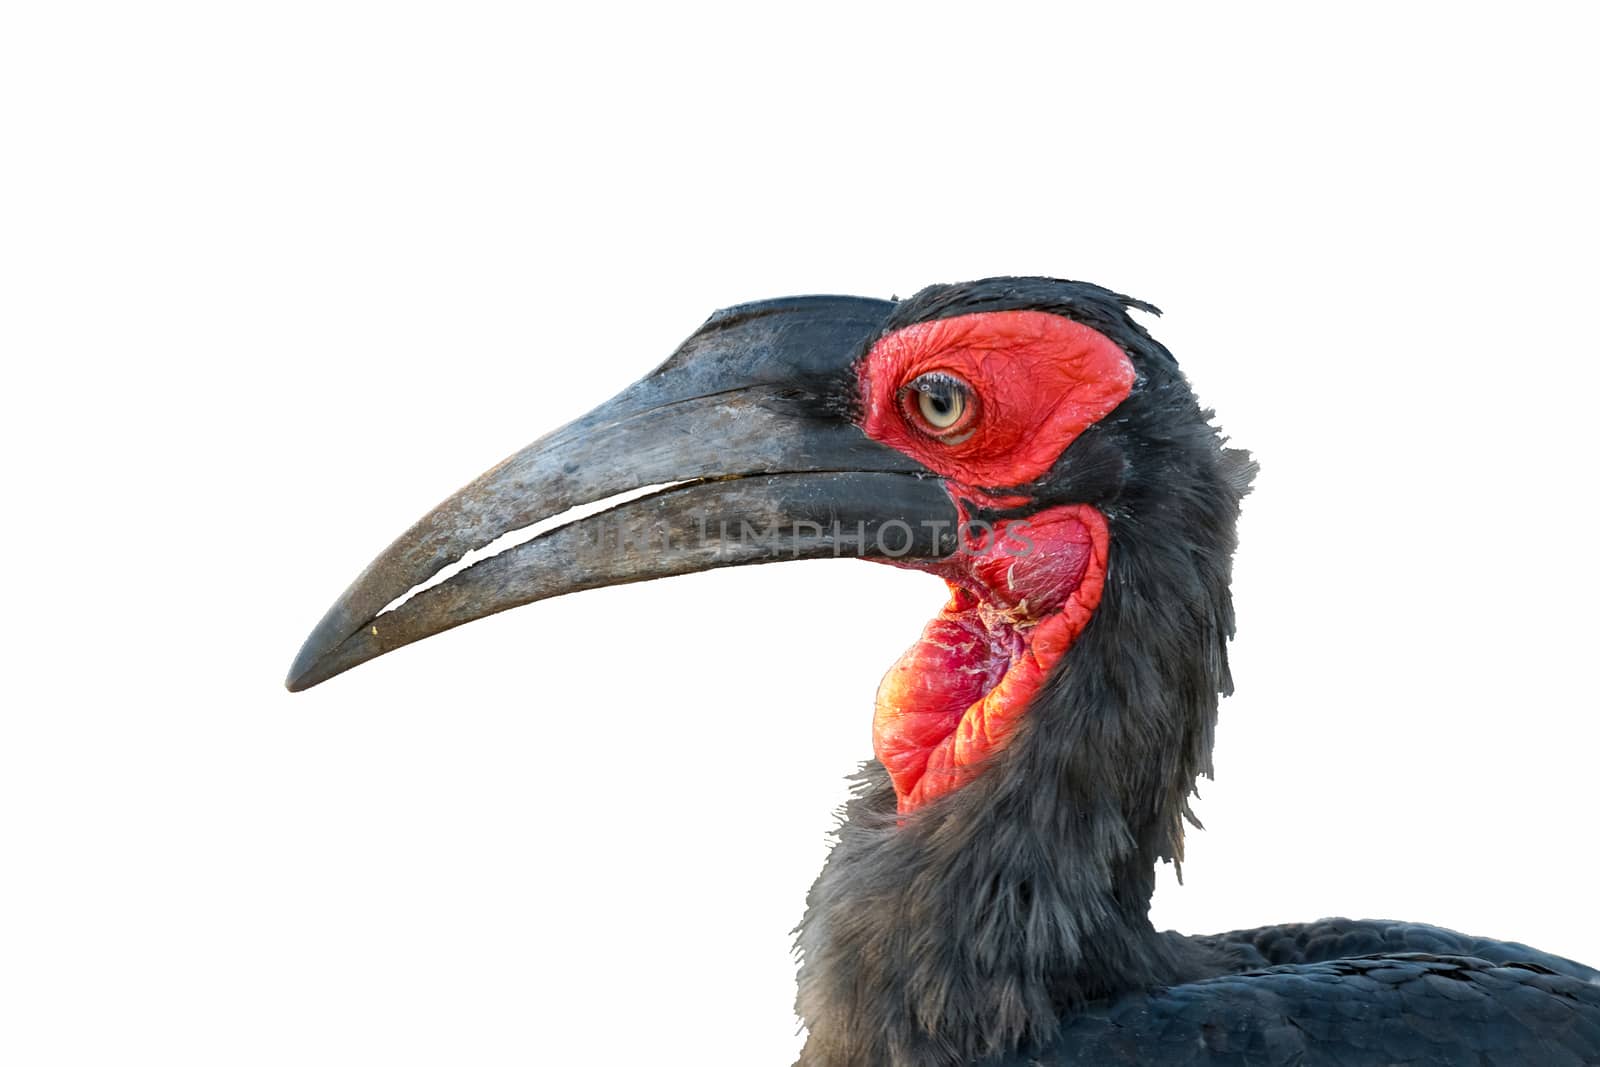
(918, 396)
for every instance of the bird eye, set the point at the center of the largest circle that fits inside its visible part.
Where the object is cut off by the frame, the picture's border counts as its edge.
(941, 405)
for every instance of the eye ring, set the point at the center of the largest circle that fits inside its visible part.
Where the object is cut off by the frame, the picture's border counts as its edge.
(940, 405)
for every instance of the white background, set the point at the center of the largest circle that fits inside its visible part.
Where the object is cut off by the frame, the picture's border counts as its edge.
(277, 277)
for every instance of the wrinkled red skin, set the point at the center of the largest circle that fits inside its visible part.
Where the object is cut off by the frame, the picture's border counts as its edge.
(1040, 380)
(1021, 594)
(957, 695)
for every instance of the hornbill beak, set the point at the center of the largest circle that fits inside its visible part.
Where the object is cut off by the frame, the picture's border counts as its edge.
(748, 431)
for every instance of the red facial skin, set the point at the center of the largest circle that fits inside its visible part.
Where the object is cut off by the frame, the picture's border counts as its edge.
(1021, 593)
(1040, 380)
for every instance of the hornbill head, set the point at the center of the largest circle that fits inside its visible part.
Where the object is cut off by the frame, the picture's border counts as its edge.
(1022, 438)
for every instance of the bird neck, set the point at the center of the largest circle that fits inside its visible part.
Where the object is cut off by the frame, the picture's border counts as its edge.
(972, 926)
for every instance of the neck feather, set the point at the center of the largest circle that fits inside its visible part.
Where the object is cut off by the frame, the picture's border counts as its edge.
(971, 927)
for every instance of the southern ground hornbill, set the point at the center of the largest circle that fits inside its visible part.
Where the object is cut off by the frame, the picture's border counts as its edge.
(987, 902)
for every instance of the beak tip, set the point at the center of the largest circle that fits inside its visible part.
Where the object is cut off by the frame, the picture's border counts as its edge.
(310, 671)
(302, 673)
(312, 663)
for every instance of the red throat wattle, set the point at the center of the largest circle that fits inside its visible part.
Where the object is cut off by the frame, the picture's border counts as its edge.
(1021, 589)
(1018, 599)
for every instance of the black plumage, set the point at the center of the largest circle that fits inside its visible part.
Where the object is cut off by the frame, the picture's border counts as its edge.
(1399, 1008)
(1013, 914)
